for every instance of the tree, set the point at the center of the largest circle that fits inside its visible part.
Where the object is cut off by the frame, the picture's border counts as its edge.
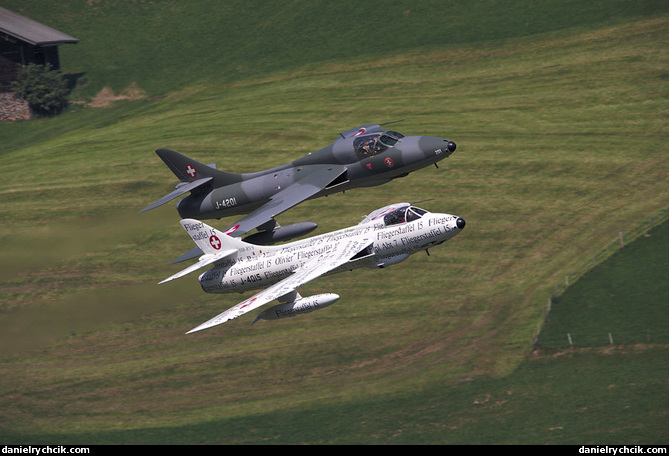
(44, 89)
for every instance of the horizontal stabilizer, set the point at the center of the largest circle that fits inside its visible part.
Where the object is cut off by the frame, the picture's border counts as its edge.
(181, 189)
(205, 260)
(196, 252)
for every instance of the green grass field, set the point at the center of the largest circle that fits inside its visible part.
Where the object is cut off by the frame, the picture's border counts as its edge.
(627, 297)
(559, 112)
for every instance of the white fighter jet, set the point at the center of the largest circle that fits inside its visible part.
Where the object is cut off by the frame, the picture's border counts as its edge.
(385, 237)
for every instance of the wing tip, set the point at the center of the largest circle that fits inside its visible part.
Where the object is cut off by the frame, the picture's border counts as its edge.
(208, 324)
(198, 328)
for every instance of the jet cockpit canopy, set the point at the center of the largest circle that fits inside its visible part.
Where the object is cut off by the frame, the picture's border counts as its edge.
(372, 144)
(395, 214)
(404, 214)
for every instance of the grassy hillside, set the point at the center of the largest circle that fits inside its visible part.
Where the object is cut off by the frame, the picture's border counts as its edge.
(627, 298)
(561, 144)
(571, 398)
(163, 46)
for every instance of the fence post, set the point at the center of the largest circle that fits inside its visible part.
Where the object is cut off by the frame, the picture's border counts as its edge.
(571, 344)
(620, 235)
(610, 339)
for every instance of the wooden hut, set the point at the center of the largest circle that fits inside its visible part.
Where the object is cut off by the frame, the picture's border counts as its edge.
(24, 41)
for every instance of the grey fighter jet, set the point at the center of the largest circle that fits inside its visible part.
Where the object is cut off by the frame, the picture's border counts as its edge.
(361, 157)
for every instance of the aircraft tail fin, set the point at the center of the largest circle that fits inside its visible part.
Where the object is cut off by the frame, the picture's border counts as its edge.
(194, 176)
(215, 246)
(188, 170)
(212, 241)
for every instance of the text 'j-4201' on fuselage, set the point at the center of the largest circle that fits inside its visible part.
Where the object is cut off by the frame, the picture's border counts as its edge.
(361, 157)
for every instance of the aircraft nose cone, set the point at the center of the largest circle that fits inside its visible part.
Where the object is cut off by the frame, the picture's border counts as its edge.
(460, 223)
(431, 145)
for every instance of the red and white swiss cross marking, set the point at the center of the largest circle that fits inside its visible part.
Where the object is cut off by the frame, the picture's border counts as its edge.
(215, 242)
(191, 171)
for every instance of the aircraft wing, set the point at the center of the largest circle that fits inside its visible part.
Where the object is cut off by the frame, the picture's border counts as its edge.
(316, 267)
(290, 196)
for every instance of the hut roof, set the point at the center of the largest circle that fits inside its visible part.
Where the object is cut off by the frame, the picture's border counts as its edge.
(31, 31)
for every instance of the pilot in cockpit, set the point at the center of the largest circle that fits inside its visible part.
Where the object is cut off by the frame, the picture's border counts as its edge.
(395, 217)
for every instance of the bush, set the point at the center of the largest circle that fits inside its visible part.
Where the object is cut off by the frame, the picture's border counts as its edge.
(44, 89)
